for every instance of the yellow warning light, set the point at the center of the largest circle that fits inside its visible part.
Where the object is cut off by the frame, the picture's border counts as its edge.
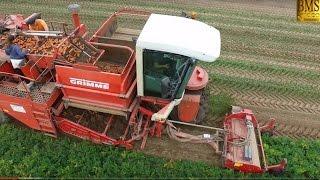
(238, 164)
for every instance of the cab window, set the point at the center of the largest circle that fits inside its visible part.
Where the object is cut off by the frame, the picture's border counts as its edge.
(160, 70)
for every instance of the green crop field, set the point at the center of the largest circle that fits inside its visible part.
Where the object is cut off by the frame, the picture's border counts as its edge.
(25, 153)
(269, 63)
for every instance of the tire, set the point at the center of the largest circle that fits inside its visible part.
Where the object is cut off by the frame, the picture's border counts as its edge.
(3, 118)
(203, 107)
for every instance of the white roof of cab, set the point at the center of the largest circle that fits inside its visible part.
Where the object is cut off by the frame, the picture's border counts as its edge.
(182, 36)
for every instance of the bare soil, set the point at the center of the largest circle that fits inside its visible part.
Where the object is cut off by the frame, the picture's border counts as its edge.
(162, 147)
(96, 121)
(171, 149)
(295, 117)
(93, 120)
(279, 7)
(289, 123)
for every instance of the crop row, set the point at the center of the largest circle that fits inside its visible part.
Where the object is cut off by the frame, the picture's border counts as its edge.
(265, 77)
(267, 60)
(269, 70)
(247, 40)
(268, 87)
(259, 22)
(247, 35)
(231, 45)
(291, 49)
(99, 8)
(234, 23)
(214, 7)
(270, 100)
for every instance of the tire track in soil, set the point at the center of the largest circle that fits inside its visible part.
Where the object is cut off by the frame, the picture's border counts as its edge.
(295, 131)
(266, 30)
(264, 76)
(302, 27)
(257, 8)
(231, 45)
(255, 98)
(296, 118)
(267, 60)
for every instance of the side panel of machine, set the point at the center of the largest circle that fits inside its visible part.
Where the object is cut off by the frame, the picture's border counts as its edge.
(88, 79)
(6, 67)
(94, 87)
(21, 110)
(82, 132)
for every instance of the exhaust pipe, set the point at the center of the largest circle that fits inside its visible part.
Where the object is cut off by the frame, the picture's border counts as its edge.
(74, 9)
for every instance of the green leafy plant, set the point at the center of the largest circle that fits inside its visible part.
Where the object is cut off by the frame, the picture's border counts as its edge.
(303, 155)
(220, 104)
(25, 153)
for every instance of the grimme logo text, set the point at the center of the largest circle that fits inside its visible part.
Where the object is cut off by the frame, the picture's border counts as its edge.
(94, 84)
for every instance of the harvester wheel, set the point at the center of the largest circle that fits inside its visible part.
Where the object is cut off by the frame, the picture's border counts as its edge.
(203, 108)
(3, 118)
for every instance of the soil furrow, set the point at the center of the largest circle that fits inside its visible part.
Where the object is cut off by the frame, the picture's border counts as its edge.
(295, 127)
(267, 60)
(264, 76)
(231, 45)
(272, 101)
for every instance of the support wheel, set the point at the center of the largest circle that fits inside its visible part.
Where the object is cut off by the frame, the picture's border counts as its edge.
(3, 118)
(203, 107)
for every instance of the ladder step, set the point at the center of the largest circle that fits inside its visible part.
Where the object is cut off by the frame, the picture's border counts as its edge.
(38, 112)
(45, 124)
(41, 115)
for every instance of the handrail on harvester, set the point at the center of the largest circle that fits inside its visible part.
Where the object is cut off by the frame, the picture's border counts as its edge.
(42, 73)
(33, 67)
